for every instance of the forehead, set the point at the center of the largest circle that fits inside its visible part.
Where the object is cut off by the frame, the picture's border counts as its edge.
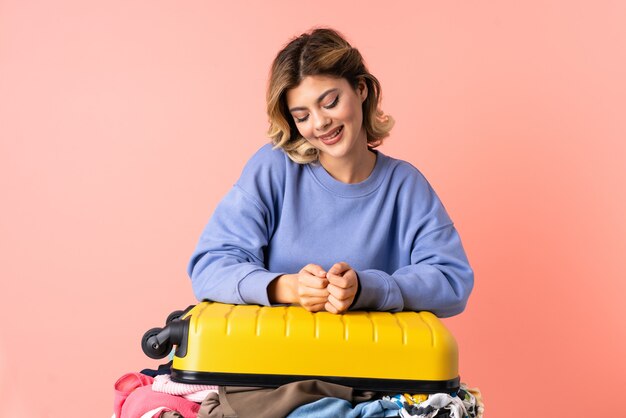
(312, 87)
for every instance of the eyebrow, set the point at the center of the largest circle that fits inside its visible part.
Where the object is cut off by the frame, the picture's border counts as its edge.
(319, 99)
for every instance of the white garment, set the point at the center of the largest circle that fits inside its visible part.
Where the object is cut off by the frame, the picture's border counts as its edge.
(150, 414)
(476, 400)
(440, 401)
(195, 393)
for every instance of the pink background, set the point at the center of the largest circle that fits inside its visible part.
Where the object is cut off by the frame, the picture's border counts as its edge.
(123, 123)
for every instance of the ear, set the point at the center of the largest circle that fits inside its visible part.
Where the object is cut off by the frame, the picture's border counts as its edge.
(361, 90)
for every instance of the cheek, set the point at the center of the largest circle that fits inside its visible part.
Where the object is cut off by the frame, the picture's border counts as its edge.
(357, 117)
(304, 130)
(353, 114)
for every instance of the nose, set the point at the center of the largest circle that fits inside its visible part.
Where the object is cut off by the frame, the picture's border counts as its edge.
(321, 120)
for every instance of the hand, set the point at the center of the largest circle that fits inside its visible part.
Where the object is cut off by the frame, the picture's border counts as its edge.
(343, 284)
(312, 289)
(306, 288)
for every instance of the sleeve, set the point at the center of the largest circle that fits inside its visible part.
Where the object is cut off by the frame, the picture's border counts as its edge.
(228, 264)
(438, 279)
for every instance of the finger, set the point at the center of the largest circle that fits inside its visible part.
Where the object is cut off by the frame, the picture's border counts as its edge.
(344, 281)
(340, 293)
(313, 300)
(308, 280)
(316, 295)
(314, 269)
(339, 268)
(316, 307)
(339, 305)
(329, 307)
(348, 279)
(310, 292)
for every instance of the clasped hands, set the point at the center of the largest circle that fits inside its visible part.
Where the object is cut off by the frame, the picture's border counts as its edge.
(315, 289)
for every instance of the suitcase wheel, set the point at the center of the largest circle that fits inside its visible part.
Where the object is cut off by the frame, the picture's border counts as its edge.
(173, 316)
(151, 346)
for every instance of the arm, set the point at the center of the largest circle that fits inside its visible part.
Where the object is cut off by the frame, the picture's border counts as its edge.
(228, 263)
(433, 273)
(439, 278)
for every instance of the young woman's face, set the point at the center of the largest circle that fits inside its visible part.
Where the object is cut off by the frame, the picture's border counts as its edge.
(328, 113)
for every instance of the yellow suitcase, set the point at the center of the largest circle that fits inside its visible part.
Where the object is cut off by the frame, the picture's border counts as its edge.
(249, 345)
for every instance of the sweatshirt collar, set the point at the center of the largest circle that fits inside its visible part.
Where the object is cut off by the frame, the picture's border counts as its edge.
(363, 188)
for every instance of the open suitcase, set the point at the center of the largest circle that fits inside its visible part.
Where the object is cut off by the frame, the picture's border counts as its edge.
(249, 345)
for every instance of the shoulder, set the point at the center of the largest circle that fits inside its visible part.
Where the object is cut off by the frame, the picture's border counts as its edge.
(405, 175)
(413, 193)
(411, 189)
(265, 173)
(266, 158)
(266, 162)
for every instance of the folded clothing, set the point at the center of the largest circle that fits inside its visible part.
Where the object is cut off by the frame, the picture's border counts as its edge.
(134, 398)
(197, 393)
(465, 403)
(144, 399)
(255, 402)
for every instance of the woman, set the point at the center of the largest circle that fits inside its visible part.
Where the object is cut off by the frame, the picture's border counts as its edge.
(322, 219)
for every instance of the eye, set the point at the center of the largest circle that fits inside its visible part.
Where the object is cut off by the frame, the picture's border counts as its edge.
(332, 104)
(300, 120)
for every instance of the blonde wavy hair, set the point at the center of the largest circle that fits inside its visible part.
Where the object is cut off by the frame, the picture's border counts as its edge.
(320, 52)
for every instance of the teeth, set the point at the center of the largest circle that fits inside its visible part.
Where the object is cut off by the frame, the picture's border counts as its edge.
(334, 134)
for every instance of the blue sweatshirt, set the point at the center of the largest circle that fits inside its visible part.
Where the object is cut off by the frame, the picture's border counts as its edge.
(392, 229)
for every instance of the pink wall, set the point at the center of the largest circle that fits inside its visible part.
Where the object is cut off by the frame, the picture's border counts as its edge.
(123, 123)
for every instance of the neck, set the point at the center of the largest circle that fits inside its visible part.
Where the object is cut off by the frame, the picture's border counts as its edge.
(350, 170)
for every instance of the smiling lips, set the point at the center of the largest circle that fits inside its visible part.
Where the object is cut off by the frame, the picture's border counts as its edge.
(332, 137)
